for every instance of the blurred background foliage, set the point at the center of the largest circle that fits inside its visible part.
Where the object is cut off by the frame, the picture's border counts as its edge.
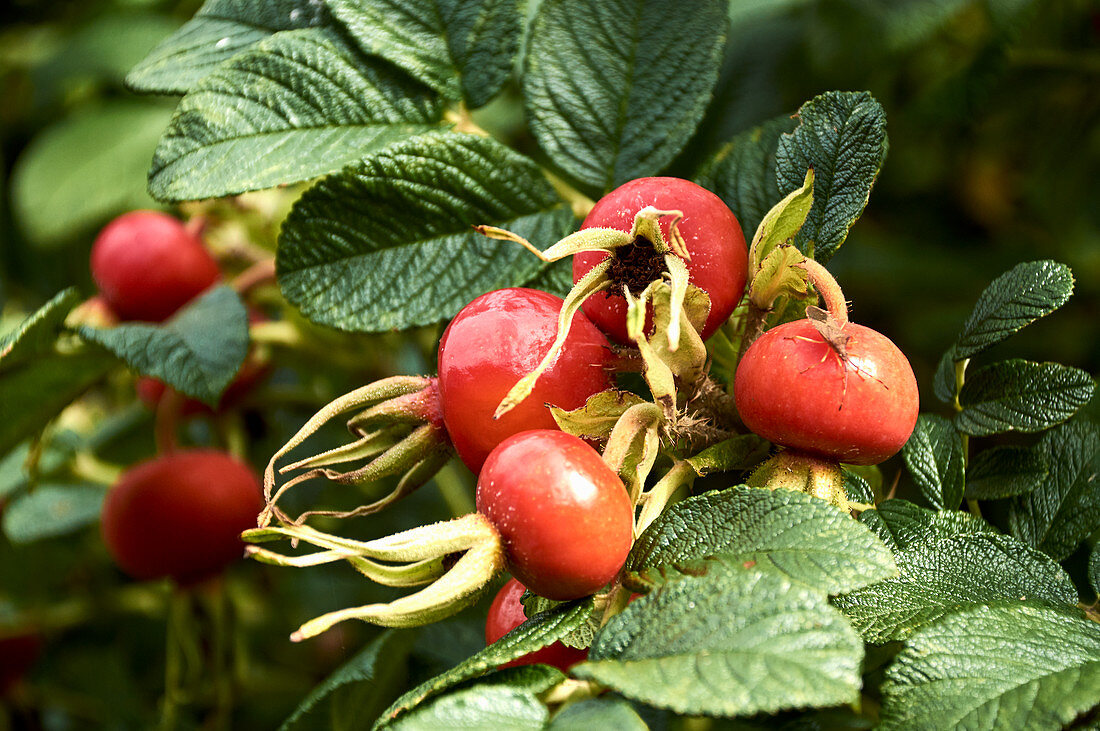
(993, 109)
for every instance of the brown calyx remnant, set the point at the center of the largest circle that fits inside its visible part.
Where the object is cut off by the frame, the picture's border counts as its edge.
(635, 266)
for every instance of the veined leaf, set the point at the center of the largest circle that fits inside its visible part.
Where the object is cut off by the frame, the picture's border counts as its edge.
(1005, 471)
(297, 105)
(388, 244)
(196, 352)
(464, 49)
(37, 334)
(901, 524)
(803, 538)
(52, 510)
(598, 713)
(1065, 508)
(615, 88)
(729, 644)
(1019, 395)
(995, 667)
(220, 30)
(742, 172)
(842, 136)
(934, 456)
(477, 707)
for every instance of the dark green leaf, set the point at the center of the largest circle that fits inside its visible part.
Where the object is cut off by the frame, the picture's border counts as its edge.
(555, 278)
(858, 489)
(730, 643)
(944, 380)
(900, 523)
(1065, 508)
(943, 573)
(464, 49)
(110, 144)
(373, 667)
(477, 708)
(537, 632)
(1003, 472)
(1094, 570)
(37, 335)
(842, 136)
(803, 538)
(297, 105)
(1012, 301)
(388, 244)
(934, 456)
(742, 172)
(52, 510)
(995, 667)
(220, 30)
(1019, 395)
(615, 88)
(197, 351)
(598, 713)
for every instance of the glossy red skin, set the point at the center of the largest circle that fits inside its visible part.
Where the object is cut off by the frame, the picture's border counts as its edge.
(791, 389)
(564, 517)
(506, 613)
(17, 655)
(147, 265)
(492, 343)
(719, 257)
(181, 515)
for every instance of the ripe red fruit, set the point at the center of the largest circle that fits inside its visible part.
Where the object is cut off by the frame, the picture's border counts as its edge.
(564, 517)
(147, 265)
(181, 515)
(506, 613)
(719, 257)
(794, 389)
(492, 343)
(18, 654)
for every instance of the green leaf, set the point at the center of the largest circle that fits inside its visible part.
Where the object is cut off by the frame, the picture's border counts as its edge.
(995, 667)
(901, 524)
(220, 30)
(1003, 472)
(1012, 301)
(944, 381)
(1094, 570)
(783, 222)
(842, 136)
(736, 453)
(37, 334)
(197, 352)
(742, 172)
(857, 488)
(1019, 395)
(555, 278)
(615, 88)
(1065, 508)
(934, 456)
(52, 510)
(86, 168)
(941, 574)
(804, 539)
(297, 105)
(388, 244)
(598, 416)
(477, 708)
(464, 49)
(539, 631)
(374, 668)
(598, 713)
(729, 644)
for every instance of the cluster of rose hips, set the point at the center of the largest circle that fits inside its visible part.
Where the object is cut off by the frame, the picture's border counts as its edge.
(551, 510)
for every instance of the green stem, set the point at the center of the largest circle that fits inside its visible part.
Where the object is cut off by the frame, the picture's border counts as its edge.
(454, 490)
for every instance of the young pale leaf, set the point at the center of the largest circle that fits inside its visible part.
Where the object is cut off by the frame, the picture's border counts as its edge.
(598, 713)
(939, 575)
(1012, 301)
(934, 456)
(196, 352)
(464, 49)
(537, 632)
(1065, 508)
(37, 334)
(371, 667)
(729, 644)
(901, 524)
(1003, 472)
(842, 136)
(995, 667)
(297, 105)
(477, 708)
(220, 30)
(387, 244)
(615, 88)
(52, 510)
(742, 172)
(803, 538)
(1019, 395)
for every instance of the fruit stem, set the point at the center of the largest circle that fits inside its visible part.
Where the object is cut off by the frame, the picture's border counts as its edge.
(581, 204)
(828, 288)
